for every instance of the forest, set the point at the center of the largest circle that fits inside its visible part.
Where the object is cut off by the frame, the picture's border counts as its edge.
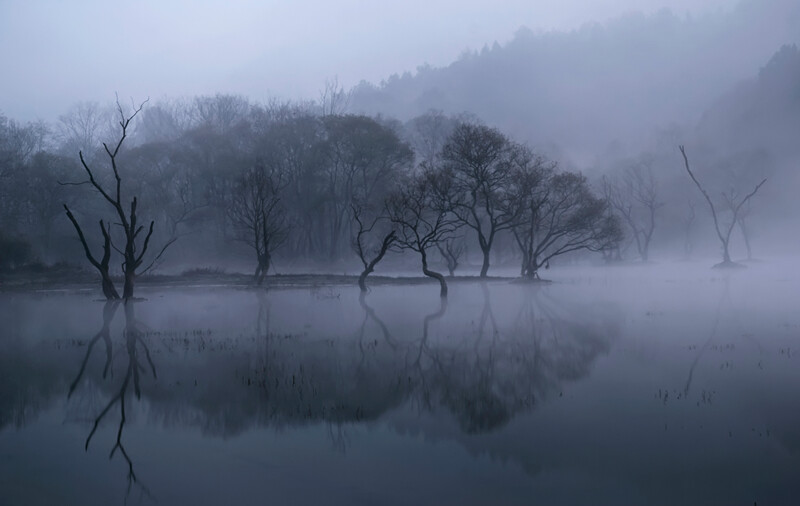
(223, 182)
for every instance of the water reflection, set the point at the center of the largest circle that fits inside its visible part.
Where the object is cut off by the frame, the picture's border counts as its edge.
(134, 345)
(482, 375)
(466, 363)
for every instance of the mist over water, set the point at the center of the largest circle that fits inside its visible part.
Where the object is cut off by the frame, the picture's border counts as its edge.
(503, 392)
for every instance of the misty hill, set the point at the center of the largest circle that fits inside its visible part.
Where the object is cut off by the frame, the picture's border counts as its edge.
(761, 113)
(599, 84)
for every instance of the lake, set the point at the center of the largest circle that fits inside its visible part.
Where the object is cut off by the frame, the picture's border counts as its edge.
(672, 384)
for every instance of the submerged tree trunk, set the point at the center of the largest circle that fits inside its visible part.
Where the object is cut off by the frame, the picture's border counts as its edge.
(433, 274)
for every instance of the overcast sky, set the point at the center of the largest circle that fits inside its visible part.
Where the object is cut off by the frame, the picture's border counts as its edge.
(54, 53)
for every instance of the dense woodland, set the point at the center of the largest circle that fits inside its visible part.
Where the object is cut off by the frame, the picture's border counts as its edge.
(131, 187)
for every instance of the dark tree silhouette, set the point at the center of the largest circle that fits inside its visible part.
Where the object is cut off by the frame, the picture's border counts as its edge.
(370, 250)
(109, 290)
(420, 210)
(561, 215)
(481, 161)
(134, 251)
(255, 210)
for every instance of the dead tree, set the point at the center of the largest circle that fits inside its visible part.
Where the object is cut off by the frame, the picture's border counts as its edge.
(369, 254)
(132, 253)
(421, 213)
(109, 290)
(635, 199)
(255, 210)
(733, 202)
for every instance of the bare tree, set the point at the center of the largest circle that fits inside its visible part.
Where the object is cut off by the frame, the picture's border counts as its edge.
(109, 290)
(370, 250)
(419, 208)
(635, 199)
(333, 99)
(255, 210)
(561, 215)
(733, 201)
(85, 127)
(133, 252)
(481, 160)
(364, 159)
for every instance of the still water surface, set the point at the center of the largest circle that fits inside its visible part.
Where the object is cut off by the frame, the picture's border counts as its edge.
(614, 387)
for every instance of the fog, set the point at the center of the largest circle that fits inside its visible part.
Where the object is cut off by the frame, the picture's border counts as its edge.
(63, 53)
(419, 253)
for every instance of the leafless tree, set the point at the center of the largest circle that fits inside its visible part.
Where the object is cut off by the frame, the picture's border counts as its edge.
(734, 202)
(561, 215)
(420, 210)
(333, 99)
(482, 160)
(635, 198)
(85, 127)
(256, 211)
(364, 159)
(134, 251)
(102, 266)
(370, 240)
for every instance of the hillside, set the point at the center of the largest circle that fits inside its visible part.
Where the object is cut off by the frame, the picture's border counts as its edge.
(600, 84)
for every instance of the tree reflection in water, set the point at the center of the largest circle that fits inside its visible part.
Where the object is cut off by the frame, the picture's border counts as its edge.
(480, 376)
(132, 335)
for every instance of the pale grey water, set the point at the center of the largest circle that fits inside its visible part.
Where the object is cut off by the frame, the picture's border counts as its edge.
(641, 385)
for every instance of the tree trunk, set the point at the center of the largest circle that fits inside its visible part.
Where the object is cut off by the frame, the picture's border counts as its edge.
(531, 270)
(127, 289)
(261, 270)
(746, 237)
(726, 257)
(362, 279)
(433, 274)
(485, 266)
(109, 290)
(369, 267)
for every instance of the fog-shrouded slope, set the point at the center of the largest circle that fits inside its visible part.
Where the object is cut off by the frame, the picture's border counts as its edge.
(762, 112)
(584, 89)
